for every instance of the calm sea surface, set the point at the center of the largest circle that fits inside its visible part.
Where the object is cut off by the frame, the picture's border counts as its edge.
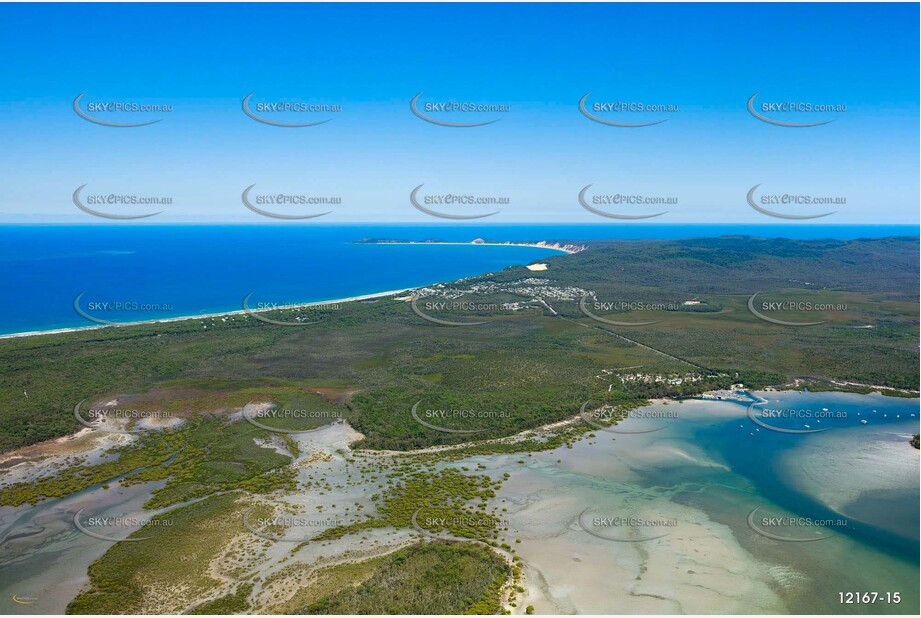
(166, 271)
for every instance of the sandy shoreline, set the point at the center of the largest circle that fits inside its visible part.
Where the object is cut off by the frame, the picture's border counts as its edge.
(543, 497)
(522, 435)
(556, 246)
(569, 249)
(203, 316)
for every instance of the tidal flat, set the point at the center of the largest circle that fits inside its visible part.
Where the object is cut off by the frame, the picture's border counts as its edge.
(651, 515)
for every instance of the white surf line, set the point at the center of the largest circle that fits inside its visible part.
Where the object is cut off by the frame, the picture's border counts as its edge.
(570, 249)
(205, 316)
(76, 329)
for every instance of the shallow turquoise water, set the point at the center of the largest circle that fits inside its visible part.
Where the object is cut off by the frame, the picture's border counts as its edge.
(862, 477)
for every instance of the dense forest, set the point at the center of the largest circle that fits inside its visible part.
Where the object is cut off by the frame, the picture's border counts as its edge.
(521, 368)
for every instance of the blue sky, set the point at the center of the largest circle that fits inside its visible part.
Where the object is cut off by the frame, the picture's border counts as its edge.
(537, 59)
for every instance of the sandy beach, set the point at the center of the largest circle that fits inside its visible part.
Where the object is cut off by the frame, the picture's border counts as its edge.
(568, 249)
(205, 316)
(555, 246)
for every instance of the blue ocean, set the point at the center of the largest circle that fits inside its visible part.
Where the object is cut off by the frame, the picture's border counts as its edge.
(145, 272)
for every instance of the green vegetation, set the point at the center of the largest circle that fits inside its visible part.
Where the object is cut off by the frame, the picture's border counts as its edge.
(531, 365)
(235, 603)
(324, 581)
(438, 500)
(205, 455)
(173, 557)
(821, 385)
(875, 278)
(431, 578)
(372, 362)
(201, 550)
(385, 415)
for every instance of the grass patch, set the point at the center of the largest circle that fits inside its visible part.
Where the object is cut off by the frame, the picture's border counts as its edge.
(433, 578)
